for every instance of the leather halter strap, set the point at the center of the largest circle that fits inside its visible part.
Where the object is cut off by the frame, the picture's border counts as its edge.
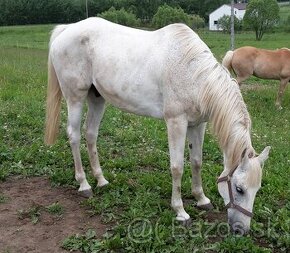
(232, 204)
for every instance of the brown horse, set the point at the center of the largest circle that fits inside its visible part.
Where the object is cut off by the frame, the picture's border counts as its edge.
(262, 63)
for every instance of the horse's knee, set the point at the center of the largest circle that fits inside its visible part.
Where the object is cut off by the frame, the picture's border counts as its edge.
(73, 136)
(91, 137)
(176, 171)
(196, 164)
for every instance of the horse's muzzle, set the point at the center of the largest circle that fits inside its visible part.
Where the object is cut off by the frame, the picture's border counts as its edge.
(238, 229)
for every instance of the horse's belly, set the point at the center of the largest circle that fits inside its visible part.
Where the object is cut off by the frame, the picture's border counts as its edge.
(131, 83)
(134, 99)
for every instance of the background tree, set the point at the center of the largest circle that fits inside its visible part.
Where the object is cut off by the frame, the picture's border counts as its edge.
(166, 15)
(17, 12)
(261, 15)
(121, 16)
(196, 21)
(224, 23)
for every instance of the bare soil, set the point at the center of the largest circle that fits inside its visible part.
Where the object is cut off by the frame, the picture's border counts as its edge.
(19, 232)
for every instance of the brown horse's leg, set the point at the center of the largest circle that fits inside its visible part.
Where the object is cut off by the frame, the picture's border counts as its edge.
(281, 91)
(241, 78)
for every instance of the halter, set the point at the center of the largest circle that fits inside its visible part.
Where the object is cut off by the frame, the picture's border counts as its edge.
(232, 204)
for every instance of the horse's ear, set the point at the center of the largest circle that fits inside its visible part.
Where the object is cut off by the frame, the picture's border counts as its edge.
(264, 155)
(243, 154)
(245, 157)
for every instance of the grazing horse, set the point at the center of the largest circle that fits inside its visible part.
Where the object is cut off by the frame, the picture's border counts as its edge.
(168, 74)
(262, 63)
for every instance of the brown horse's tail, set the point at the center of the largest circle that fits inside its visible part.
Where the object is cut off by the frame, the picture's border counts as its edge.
(227, 60)
(54, 96)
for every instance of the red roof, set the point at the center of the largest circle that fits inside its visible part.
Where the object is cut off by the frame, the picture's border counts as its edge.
(240, 6)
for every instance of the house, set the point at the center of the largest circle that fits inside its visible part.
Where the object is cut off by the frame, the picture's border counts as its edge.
(239, 11)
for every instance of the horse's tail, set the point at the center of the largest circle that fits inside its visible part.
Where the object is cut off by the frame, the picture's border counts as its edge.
(227, 60)
(54, 96)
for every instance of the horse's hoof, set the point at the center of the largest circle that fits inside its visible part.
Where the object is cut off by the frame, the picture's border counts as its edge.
(206, 207)
(102, 183)
(185, 223)
(86, 193)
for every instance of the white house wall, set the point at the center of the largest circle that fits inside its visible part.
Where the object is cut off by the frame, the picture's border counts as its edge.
(221, 11)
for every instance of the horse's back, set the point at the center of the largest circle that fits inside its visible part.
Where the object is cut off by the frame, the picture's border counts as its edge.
(263, 63)
(129, 67)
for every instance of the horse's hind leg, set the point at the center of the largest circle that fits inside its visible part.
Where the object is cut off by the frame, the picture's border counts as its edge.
(95, 113)
(74, 106)
(195, 137)
(176, 128)
(242, 73)
(281, 91)
(241, 77)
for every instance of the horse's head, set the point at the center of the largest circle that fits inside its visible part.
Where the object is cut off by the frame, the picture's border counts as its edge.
(239, 189)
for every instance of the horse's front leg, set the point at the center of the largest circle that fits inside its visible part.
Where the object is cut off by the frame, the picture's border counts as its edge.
(281, 91)
(195, 135)
(176, 127)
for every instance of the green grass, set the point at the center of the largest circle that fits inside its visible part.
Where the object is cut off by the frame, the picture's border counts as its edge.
(3, 199)
(29, 36)
(284, 12)
(55, 209)
(32, 213)
(134, 155)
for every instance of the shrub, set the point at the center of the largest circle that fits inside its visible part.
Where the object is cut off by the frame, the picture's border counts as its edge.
(196, 21)
(225, 23)
(121, 17)
(166, 15)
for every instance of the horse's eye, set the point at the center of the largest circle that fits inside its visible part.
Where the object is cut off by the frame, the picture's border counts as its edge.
(239, 190)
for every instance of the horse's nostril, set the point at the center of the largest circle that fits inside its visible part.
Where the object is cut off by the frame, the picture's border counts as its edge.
(238, 229)
(237, 232)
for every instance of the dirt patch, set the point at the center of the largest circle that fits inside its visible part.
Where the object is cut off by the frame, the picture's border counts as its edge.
(26, 223)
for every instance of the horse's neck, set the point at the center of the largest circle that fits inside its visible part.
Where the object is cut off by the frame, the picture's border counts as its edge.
(238, 142)
(221, 102)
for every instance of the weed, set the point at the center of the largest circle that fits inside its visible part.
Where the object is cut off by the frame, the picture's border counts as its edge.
(55, 209)
(32, 213)
(85, 243)
(3, 199)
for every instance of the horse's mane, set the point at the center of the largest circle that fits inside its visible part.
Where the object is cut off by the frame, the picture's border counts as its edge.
(219, 97)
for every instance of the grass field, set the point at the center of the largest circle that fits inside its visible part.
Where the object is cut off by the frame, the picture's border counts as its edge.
(284, 12)
(134, 156)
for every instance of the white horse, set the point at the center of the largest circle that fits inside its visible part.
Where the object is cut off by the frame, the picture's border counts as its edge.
(168, 74)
